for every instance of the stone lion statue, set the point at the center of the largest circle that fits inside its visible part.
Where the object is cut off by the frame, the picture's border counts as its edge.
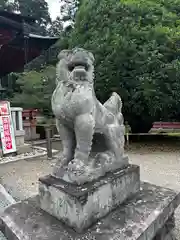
(79, 115)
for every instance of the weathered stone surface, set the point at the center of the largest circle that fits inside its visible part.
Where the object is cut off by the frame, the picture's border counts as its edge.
(79, 115)
(5, 199)
(80, 206)
(139, 219)
(2, 237)
(166, 232)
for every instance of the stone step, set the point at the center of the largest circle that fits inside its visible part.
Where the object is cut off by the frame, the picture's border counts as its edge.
(141, 218)
(6, 200)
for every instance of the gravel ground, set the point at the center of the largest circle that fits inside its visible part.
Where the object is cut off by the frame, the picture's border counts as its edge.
(160, 164)
(22, 156)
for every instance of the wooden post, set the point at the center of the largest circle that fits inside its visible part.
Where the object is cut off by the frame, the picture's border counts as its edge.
(127, 133)
(1, 150)
(48, 142)
(127, 138)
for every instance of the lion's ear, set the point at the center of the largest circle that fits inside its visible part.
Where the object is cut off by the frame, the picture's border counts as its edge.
(91, 56)
(59, 56)
(64, 53)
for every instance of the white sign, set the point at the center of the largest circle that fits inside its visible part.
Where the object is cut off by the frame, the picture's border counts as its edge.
(6, 129)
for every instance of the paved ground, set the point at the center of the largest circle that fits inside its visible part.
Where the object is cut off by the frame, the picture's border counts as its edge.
(160, 164)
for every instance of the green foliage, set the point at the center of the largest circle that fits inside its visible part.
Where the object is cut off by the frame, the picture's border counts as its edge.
(6, 5)
(136, 45)
(37, 9)
(56, 27)
(35, 89)
(68, 9)
(2, 4)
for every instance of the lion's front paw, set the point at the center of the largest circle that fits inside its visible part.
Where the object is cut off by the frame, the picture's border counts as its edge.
(76, 165)
(60, 165)
(78, 172)
(62, 159)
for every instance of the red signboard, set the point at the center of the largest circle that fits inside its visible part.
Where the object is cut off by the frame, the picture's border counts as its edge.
(7, 132)
(6, 129)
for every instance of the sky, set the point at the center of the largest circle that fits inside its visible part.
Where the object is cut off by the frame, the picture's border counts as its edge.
(54, 8)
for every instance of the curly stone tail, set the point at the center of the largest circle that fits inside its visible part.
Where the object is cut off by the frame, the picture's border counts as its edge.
(114, 104)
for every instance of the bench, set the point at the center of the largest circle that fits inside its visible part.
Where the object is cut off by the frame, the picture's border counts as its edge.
(158, 128)
(166, 126)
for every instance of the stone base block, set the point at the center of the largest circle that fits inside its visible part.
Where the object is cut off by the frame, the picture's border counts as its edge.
(166, 233)
(81, 206)
(19, 141)
(19, 136)
(30, 132)
(148, 216)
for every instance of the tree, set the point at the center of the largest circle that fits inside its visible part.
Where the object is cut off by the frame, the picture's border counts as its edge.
(6, 5)
(37, 9)
(136, 45)
(68, 9)
(56, 27)
(3, 4)
(34, 89)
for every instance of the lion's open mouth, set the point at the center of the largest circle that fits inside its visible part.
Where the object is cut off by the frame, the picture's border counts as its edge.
(77, 64)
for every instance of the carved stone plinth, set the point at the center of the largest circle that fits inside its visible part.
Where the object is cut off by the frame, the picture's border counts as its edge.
(147, 216)
(81, 206)
(166, 232)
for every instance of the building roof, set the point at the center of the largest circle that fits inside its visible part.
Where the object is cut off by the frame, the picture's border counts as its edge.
(18, 43)
(17, 17)
(20, 51)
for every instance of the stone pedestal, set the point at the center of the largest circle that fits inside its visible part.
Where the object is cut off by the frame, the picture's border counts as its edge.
(147, 216)
(81, 206)
(30, 131)
(18, 125)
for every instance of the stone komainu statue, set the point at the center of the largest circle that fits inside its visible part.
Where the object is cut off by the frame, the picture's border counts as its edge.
(79, 115)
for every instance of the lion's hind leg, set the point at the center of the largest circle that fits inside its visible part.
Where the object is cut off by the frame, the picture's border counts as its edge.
(115, 140)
